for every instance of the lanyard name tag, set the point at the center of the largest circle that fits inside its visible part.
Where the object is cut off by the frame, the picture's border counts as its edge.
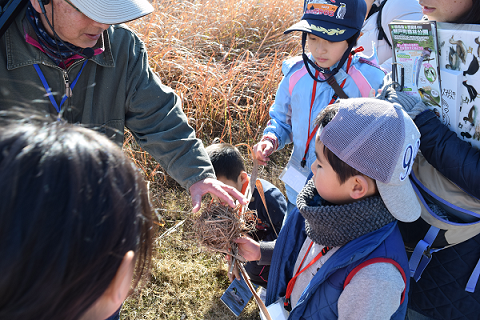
(277, 310)
(295, 175)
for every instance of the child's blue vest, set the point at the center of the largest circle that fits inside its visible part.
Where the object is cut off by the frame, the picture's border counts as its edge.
(319, 300)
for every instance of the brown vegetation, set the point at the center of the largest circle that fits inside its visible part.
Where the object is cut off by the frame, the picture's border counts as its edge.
(223, 58)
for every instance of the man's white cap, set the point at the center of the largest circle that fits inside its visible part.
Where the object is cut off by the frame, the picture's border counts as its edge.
(113, 11)
(380, 140)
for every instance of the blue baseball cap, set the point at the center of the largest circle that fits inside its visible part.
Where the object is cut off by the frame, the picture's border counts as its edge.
(332, 20)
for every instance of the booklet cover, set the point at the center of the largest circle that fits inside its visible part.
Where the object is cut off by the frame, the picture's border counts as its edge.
(459, 46)
(237, 296)
(415, 49)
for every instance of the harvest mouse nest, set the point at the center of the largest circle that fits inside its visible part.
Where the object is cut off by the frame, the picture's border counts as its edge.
(218, 225)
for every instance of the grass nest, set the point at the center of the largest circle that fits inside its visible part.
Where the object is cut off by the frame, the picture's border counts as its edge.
(218, 225)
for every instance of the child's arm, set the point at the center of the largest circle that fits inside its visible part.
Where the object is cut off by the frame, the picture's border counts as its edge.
(279, 128)
(373, 293)
(445, 151)
(248, 248)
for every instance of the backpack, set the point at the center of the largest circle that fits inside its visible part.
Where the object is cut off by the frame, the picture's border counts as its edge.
(449, 216)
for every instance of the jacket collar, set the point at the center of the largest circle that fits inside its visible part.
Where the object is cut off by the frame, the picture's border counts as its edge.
(20, 53)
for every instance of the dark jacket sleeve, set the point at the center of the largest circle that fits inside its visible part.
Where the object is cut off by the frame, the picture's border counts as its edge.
(266, 249)
(445, 151)
(155, 117)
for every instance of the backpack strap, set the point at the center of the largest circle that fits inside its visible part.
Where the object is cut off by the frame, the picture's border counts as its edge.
(377, 260)
(336, 87)
(374, 8)
(360, 80)
(422, 254)
(472, 281)
(297, 75)
(381, 33)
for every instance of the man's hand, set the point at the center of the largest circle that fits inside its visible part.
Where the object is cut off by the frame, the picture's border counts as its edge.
(262, 150)
(216, 188)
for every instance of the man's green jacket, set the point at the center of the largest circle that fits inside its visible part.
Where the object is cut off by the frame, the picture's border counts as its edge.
(116, 88)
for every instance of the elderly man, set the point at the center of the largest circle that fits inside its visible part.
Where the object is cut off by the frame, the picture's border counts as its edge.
(74, 59)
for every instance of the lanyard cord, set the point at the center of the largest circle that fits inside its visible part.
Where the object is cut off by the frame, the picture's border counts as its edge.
(49, 91)
(311, 134)
(259, 186)
(314, 91)
(287, 304)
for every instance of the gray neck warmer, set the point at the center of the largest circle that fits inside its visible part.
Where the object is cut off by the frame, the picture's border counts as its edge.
(335, 225)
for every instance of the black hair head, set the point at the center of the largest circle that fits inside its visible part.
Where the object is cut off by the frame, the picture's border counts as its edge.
(227, 161)
(72, 206)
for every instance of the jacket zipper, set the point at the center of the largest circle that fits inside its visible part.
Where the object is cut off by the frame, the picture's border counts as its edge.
(68, 90)
(66, 78)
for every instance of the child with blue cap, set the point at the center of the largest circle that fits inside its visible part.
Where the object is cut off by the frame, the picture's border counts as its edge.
(315, 79)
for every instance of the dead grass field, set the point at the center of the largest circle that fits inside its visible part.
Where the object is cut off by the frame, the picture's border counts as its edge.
(223, 58)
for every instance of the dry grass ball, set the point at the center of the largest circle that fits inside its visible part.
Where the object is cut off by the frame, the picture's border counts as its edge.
(218, 225)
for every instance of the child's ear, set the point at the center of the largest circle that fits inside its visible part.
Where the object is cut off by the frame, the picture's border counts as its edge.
(360, 187)
(243, 177)
(111, 300)
(120, 285)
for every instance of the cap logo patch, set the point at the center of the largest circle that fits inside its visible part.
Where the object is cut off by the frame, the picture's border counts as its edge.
(330, 32)
(322, 7)
(408, 158)
(341, 11)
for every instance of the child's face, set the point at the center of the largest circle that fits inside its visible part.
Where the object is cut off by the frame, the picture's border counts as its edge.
(326, 180)
(236, 184)
(324, 52)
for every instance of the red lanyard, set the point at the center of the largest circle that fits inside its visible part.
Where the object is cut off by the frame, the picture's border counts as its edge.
(312, 134)
(287, 304)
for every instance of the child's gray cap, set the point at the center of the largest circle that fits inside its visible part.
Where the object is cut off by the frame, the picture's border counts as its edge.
(381, 141)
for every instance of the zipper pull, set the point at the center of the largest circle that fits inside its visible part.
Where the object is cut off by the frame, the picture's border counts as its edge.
(68, 90)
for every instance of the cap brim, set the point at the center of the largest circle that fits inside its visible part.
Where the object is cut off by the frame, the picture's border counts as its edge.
(328, 31)
(113, 11)
(400, 200)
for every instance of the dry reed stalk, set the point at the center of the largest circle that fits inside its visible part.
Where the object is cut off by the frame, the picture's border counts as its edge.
(223, 58)
(218, 225)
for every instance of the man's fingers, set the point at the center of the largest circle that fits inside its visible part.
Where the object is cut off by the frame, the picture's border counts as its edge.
(196, 203)
(216, 188)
